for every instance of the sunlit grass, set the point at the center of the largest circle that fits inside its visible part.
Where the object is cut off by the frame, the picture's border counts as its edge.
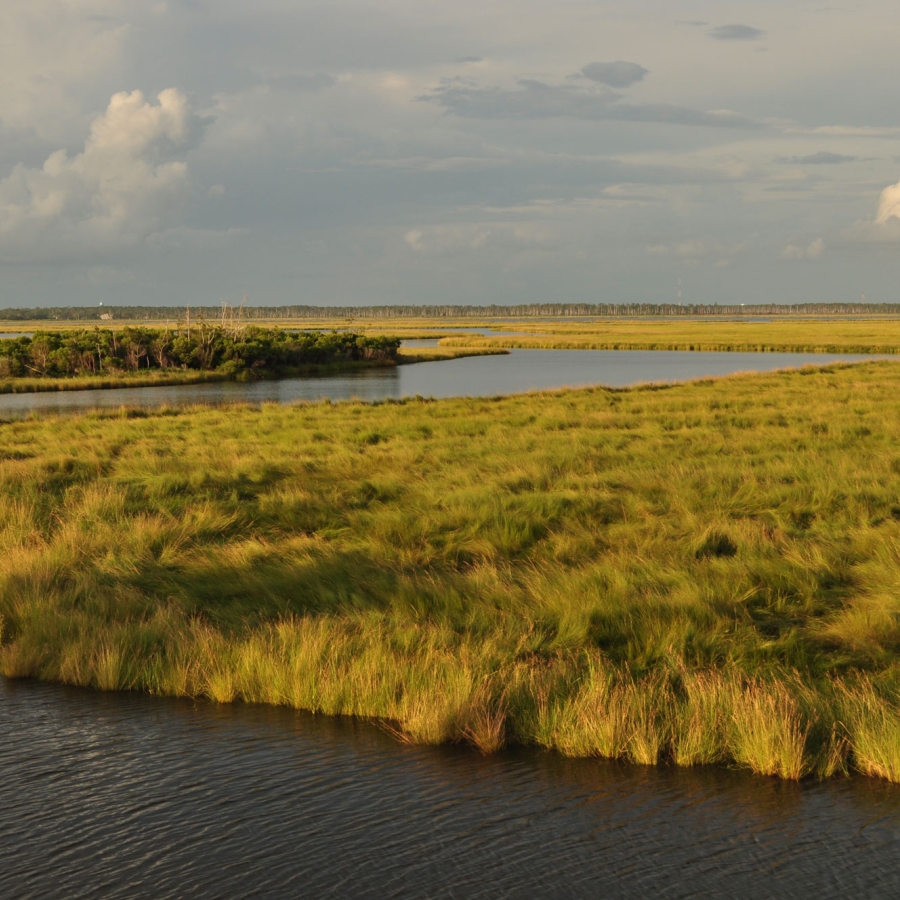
(705, 573)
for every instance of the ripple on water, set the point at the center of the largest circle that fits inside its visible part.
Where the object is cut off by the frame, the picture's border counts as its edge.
(120, 795)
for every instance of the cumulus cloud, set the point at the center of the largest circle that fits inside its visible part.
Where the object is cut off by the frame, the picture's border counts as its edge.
(537, 100)
(618, 74)
(889, 204)
(119, 189)
(736, 33)
(796, 254)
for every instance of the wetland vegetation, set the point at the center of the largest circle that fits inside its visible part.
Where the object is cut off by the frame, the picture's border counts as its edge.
(106, 358)
(239, 352)
(813, 335)
(699, 573)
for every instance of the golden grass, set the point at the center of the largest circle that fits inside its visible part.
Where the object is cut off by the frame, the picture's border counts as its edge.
(703, 573)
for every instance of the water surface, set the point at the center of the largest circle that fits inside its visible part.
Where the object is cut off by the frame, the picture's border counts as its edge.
(478, 376)
(129, 796)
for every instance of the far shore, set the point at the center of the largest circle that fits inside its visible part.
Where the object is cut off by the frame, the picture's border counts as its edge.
(172, 377)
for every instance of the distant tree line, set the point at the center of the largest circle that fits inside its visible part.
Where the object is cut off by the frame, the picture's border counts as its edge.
(209, 314)
(202, 347)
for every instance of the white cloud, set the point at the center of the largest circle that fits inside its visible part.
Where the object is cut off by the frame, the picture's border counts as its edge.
(55, 53)
(795, 254)
(119, 189)
(889, 205)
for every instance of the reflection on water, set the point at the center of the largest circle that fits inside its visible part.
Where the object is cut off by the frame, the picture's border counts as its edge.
(479, 376)
(117, 795)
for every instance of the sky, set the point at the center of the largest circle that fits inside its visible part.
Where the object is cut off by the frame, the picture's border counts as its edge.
(473, 152)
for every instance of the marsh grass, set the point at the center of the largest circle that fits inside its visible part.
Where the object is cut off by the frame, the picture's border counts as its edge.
(789, 335)
(107, 382)
(700, 574)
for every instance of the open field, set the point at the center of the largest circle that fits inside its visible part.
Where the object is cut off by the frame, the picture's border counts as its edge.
(858, 334)
(778, 335)
(699, 573)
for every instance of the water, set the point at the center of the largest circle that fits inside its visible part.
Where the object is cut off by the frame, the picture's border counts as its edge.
(479, 376)
(129, 796)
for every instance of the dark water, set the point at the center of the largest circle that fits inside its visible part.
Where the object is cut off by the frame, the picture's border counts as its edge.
(480, 376)
(127, 796)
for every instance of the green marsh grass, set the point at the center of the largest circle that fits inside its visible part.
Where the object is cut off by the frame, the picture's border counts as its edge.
(704, 573)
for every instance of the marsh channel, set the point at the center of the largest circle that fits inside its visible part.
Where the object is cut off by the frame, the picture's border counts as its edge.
(477, 376)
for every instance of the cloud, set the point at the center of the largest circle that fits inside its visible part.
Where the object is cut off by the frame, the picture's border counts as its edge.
(468, 59)
(691, 252)
(822, 158)
(106, 276)
(618, 74)
(317, 82)
(794, 253)
(114, 193)
(736, 33)
(889, 204)
(867, 131)
(681, 250)
(537, 100)
(453, 240)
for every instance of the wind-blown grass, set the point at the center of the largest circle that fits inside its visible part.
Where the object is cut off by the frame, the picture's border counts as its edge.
(701, 573)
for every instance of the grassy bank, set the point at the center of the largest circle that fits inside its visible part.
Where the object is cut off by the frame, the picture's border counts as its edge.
(437, 354)
(700, 573)
(100, 382)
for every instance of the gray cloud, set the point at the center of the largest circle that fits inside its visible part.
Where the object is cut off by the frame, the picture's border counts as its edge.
(822, 158)
(468, 59)
(536, 100)
(303, 82)
(736, 33)
(618, 74)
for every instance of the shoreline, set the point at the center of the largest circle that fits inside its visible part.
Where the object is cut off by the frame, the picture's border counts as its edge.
(111, 382)
(697, 575)
(551, 343)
